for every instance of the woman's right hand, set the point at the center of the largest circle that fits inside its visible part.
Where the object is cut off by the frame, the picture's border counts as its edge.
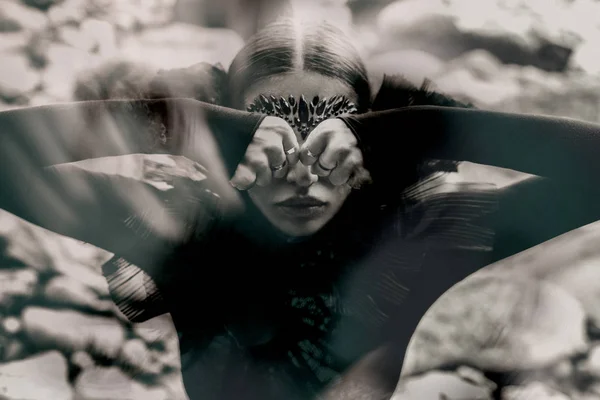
(273, 149)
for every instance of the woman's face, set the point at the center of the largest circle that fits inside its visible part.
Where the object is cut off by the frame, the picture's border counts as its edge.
(301, 203)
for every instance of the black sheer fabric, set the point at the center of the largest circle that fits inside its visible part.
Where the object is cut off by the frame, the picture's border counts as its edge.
(270, 317)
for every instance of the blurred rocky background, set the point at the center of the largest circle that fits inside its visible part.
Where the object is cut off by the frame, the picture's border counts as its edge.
(61, 337)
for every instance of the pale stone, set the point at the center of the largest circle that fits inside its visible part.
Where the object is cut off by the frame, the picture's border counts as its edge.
(499, 323)
(532, 391)
(137, 357)
(73, 331)
(44, 250)
(102, 383)
(26, 17)
(82, 360)
(440, 385)
(414, 65)
(11, 325)
(64, 63)
(41, 377)
(17, 283)
(66, 291)
(181, 45)
(13, 42)
(17, 78)
(68, 12)
(519, 32)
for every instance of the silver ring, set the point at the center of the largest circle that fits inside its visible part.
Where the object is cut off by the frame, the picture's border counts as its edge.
(279, 167)
(308, 153)
(290, 151)
(323, 168)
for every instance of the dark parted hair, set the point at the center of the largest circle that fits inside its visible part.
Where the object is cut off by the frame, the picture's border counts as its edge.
(288, 46)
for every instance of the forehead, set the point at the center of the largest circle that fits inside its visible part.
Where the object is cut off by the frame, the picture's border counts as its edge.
(305, 83)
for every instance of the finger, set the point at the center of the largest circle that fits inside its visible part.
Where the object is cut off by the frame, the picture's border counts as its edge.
(314, 145)
(290, 145)
(259, 163)
(292, 154)
(277, 158)
(243, 178)
(341, 174)
(334, 154)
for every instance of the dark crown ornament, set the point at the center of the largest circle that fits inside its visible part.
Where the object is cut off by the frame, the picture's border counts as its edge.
(302, 115)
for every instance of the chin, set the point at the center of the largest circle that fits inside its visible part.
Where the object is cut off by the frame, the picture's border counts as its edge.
(300, 230)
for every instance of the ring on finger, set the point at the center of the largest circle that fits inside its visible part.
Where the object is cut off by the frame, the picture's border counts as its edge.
(311, 155)
(291, 151)
(279, 167)
(323, 167)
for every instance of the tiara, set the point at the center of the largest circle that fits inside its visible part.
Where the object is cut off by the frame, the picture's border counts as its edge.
(302, 115)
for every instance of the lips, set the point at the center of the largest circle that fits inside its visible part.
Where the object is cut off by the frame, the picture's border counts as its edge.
(301, 202)
(302, 208)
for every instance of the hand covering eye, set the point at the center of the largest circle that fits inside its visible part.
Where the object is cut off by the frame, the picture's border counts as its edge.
(302, 115)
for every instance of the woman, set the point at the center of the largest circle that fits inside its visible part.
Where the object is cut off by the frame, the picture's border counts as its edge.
(337, 239)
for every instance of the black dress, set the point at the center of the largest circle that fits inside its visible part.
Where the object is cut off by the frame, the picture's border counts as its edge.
(270, 317)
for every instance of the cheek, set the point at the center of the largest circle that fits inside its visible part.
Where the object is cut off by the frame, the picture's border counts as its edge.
(261, 196)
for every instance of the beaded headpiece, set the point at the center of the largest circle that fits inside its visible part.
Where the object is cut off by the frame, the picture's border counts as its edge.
(302, 115)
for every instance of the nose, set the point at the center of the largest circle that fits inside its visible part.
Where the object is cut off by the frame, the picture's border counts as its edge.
(300, 175)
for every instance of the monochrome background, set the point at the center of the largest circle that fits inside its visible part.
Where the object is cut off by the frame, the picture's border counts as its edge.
(61, 337)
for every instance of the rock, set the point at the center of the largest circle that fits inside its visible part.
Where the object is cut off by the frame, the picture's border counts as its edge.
(17, 78)
(41, 99)
(82, 360)
(516, 33)
(580, 280)
(69, 292)
(157, 332)
(532, 391)
(414, 65)
(13, 42)
(464, 85)
(40, 377)
(101, 383)
(137, 358)
(475, 377)
(15, 16)
(336, 13)
(101, 35)
(131, 16)
(440, 385)
(497, 323)
(46, 251)
(180, 45)
(11, 325)
(591, 365)
(17, 283)
(72, 36)
(42, 4)
(13, 348)
(534, 80)
(68, 12)
(64, 63)
(72, 331)
(481, 63)
(161, 338)
(37, 50)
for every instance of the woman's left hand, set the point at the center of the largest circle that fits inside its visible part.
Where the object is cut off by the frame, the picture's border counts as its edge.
(332, 151)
